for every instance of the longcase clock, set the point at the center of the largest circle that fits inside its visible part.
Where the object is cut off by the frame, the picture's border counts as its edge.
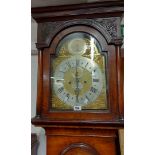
(80, 97)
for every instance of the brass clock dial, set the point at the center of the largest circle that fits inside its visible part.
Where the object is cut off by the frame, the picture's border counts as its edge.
(78, 81)
(78, 75)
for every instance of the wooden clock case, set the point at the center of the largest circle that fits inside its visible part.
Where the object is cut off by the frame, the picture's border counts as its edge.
(86, 132)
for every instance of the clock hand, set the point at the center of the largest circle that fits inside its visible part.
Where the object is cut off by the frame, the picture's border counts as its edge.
(77, 95)
(77, 90)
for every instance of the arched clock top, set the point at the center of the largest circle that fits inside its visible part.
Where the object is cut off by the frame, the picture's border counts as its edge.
(99, 38)
(78, 77)
(108, 27)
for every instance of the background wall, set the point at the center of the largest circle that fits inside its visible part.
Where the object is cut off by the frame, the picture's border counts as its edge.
(34, 61)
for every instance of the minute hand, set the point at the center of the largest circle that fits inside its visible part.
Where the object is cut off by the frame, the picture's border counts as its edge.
(77, 90)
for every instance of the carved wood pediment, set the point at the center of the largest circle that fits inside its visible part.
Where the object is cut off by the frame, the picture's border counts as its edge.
(109, 27)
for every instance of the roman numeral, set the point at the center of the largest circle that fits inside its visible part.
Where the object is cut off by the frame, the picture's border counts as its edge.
(68, 95)
(68, 64)
(60, 89)
(87, 98)
(93, 90)
(86, 64)
(95, 80)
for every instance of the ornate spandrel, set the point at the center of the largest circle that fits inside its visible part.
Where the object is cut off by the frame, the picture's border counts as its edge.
(46, 30)
(111, 25)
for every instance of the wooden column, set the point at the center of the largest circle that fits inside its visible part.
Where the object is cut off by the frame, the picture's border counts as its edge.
(119, 80)
(39, 83)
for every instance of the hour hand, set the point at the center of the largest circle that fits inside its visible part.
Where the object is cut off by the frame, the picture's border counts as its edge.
(77, 91)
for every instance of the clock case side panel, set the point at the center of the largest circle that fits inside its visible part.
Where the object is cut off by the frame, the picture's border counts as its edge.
(113, 113)
(39, 99)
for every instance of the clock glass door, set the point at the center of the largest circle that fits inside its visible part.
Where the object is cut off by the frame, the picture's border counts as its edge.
(78, 74)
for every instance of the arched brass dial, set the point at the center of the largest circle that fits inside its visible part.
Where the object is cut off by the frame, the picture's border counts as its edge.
(78, 74)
